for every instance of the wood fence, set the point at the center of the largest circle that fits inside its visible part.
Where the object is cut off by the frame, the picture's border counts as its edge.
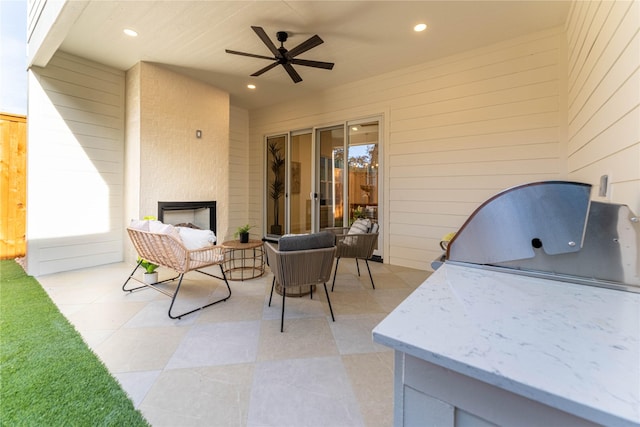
(13, 185)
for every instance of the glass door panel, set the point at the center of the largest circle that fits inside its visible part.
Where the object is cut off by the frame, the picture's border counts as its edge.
(300, 186)
(363, 179)
(330, 177)
(275, 189)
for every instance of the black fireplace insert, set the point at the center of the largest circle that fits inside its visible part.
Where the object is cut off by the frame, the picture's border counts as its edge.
(188, 206)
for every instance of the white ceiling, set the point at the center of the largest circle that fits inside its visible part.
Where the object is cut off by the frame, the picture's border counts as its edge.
(362, 38)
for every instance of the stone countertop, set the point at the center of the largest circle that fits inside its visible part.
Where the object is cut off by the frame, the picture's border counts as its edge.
(572, 347)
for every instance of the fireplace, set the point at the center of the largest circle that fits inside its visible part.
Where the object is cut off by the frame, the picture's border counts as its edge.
(200, 214)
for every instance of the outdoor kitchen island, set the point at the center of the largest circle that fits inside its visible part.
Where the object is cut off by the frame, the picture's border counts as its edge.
(481, 347)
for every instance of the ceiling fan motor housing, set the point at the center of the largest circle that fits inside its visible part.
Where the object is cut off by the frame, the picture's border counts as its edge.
(282, 36)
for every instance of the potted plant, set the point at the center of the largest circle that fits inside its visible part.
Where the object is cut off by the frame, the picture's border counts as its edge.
(276, 188)
(243, 233)
(357, 214)
(150, 275)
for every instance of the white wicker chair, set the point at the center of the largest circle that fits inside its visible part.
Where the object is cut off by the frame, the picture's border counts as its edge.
(167, 251)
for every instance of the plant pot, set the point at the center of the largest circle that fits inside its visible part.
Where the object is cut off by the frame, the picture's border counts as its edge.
(150, 278)
(244, 237)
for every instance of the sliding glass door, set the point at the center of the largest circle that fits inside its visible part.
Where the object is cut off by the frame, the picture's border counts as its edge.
(323, 178)
(300, 171)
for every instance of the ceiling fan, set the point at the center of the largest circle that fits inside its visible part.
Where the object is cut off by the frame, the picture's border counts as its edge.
(285, 57)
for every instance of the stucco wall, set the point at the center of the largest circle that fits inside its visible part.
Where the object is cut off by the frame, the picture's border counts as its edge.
(239, 172)
(173, 164)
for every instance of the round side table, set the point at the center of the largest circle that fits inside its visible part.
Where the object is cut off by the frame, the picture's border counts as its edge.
(244, 261)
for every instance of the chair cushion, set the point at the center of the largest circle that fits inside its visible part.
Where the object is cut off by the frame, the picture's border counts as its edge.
(299, 242)
(374, 227)
(193, 238)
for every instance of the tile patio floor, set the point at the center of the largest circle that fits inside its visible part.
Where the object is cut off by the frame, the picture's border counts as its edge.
(229, 365)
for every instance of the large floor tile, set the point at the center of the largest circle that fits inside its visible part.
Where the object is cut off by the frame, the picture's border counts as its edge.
(104, 315)
(303, 392)
(413, 278)
(347, 302)
(301, 338)
(388, 299)
(371, 376)
(352, 333)
(137, 384)
(140, 349)
(212, 344)
(155, 314)
(209, 396)
(237, 308)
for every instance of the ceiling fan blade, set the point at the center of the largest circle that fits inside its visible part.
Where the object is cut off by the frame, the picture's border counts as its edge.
(292, 73)
(305, 46)
(316, 64)
(267, 41)
(235, 52)
(265, 69)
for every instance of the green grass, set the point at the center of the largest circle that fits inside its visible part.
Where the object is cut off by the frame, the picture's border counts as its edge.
(48, 375)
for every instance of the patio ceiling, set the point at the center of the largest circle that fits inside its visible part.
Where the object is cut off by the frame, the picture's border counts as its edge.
(363, 38)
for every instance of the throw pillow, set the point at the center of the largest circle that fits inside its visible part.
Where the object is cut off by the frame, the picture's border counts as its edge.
(195, 239)
(360, 226)
(161, 228)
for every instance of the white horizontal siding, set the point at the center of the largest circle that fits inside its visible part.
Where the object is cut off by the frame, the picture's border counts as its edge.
(75, 165)
(457, 131)
(604, 97)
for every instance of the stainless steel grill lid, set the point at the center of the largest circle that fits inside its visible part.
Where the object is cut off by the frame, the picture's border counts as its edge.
(553, 229)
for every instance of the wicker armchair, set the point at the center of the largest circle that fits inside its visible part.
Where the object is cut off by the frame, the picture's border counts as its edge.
(356, 246)
(167, 251)
(294, 267)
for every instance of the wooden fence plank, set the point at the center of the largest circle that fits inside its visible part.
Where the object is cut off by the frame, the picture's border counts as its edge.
(13, 165)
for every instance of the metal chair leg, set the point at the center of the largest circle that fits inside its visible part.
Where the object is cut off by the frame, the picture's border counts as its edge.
(175, 294)
(335, 273)
(282, 316)
(273, 284)
(358, 267)
(370, 276)
(329, 301)
(130, 277)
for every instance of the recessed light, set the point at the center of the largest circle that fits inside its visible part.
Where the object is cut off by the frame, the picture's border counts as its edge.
(420, 27)
(130, 32)
(355, 128)
(251, 86)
